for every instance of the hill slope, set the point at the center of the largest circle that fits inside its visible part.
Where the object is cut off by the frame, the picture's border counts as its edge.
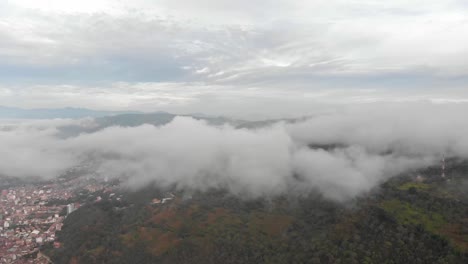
(406, 221)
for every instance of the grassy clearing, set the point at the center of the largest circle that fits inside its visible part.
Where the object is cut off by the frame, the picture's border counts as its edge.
(408, 214)
(416, 185)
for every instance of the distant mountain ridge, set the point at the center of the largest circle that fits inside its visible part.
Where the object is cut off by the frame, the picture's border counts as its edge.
(138, 119)
(50, 113)
(103, 119)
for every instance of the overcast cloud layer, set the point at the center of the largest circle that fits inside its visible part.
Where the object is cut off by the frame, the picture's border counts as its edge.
(377, 143)
(183, 56)
(387, 80)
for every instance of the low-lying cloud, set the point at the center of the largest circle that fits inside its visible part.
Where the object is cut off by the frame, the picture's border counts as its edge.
(373, 145)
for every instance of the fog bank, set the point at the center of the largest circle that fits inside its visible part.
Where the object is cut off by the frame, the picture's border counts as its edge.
(373, 145)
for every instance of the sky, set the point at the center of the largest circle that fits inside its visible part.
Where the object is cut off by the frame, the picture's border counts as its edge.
(246, 59)
(385, 80)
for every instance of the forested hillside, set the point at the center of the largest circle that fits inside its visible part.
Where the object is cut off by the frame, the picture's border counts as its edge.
(408, 219)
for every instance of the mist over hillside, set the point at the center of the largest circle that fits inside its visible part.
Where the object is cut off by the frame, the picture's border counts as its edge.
(220, 131)
(270, 158)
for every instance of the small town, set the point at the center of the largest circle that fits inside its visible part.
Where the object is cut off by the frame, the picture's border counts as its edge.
(30, 216)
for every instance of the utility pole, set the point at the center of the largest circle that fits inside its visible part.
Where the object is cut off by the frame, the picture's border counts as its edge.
(443, 167)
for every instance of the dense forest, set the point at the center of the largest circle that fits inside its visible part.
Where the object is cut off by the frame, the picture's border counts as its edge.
(408, 219)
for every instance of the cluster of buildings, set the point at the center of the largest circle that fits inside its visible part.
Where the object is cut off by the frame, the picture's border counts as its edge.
(168, 198)
(27, 220)
(30, 216)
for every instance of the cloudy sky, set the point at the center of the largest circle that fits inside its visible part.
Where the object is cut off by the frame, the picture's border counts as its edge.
(262, 58)
(396, 71)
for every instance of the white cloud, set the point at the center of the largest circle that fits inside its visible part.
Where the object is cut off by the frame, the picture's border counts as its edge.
(389, 76)
(229, 58)
(379, 142)
(357, 36)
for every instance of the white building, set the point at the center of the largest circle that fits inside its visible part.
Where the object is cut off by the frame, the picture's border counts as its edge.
(70, 208)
